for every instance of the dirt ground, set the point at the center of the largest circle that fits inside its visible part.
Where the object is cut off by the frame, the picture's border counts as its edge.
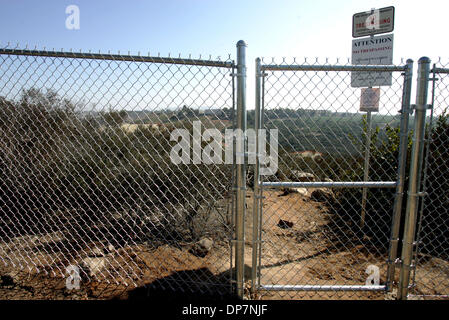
(305, 253)
(298, 251)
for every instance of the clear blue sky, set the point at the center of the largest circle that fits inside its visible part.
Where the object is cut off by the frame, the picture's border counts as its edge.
(280, 28)
(271, 28)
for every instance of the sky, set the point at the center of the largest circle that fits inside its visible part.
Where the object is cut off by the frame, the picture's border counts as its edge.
(289, 28)
(270, 28)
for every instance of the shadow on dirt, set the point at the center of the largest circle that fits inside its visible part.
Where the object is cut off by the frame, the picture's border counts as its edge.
(189, 285)
(288, 261)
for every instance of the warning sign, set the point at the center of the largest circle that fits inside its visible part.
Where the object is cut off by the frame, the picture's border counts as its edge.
(373, 22)
(376, 50)
(369, 100)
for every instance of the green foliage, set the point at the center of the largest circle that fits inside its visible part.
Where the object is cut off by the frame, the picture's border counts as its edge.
(383, 166)
(55, 160)
(321, 130)
(114, 118)
(435, 220)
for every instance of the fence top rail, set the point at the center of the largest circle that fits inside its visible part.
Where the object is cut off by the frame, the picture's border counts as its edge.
(118, 57)
(440, 70)
(373, 68)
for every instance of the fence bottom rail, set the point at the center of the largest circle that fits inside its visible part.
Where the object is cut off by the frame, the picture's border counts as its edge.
(322, 288)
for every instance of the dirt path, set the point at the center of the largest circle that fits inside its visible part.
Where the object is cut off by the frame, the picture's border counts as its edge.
(303, 253)
(299, 251)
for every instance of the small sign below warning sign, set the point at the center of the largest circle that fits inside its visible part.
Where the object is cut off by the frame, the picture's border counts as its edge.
(369, 100)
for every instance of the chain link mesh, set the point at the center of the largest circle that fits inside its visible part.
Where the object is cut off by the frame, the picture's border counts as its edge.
(316, 236)
(86, 178)
(430, 276)
(88, 185)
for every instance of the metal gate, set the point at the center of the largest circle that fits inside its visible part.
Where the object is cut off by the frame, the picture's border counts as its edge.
(328, 219)
(429, 266)
(89, 192)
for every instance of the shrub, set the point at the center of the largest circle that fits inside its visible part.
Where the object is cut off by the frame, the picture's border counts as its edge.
(62, 170)
(347, 210)
(435, 220)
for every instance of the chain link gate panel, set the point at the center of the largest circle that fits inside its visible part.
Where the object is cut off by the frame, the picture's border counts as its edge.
(323, 223)
(91, 204)
(430, 272)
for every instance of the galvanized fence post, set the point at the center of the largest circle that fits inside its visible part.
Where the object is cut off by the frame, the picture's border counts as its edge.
(425, 175)
(402, 164)
(366, 167)
(257, 195)
(241, 169)
(415, 176)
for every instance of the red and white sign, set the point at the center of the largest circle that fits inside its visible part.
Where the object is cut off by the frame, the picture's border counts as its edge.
(373, 22)
(369, 99)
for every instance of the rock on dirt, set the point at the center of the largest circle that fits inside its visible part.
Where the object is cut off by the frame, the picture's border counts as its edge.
(93, 265)
(303, 176)
(96, 252)
(107, 249)
(202, 247)
(284, 224)
(301, 191)
(391, 295)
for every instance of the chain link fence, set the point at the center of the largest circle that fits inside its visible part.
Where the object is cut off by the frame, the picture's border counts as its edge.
(322, 237)
(430, 275)
(91, 204)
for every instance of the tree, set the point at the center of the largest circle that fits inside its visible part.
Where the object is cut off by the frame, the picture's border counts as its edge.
(115, 118)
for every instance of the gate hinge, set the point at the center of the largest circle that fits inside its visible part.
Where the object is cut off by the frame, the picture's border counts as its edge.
(401, 264)
(411, 286)
(414, 106)
(418, 194)
(410, 110)
(396, 239)
(433, 79)
(396, 262)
